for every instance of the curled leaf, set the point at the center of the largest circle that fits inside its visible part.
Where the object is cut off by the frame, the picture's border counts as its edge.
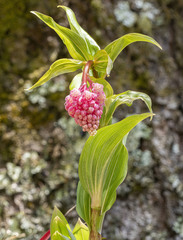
(127, 98)
(102, 63)
(59, 67)
(115, 47)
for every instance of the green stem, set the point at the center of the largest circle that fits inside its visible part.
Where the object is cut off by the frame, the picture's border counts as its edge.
(94, 235)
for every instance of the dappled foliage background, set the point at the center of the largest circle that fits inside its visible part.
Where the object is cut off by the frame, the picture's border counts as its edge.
(40, 145)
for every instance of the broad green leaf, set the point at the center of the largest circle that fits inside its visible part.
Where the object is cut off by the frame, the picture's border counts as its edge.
(115, 47)
(123, 98)
(107, 87)
(92, 46)
(59, 223)
(83, 205)
(117, 170)
(59, 67)
(102, 63)
(83, 208)
(76, 81)
(81, 231)
(74, 43)
(109, 199)
(103, 161)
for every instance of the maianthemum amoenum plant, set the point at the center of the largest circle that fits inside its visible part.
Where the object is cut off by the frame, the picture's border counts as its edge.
(92, 103)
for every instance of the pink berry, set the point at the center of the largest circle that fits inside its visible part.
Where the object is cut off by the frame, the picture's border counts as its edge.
(90, 109)
(86, 106)
(83, 113)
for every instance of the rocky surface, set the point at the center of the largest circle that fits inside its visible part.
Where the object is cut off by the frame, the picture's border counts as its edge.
(40, 144)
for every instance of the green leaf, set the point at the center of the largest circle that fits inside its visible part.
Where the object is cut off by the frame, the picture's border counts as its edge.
(92, 46)
(83, 208)
(115, 47)
(81, 231)
(59, 67)
(107, 87)
(57, 212)
(76, 81)
(123, 98)
(59, 236)
(59, 223)
(83, 205)
(75, 44)
(103, 161)
(102, 63)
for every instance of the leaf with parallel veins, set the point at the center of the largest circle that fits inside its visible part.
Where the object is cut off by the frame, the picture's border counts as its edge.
(115, 47)
(74, 43)
(103, 161)
(92, 46)
(59, 67)
(127, 98)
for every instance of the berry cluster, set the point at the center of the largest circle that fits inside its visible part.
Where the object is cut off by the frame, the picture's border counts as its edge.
(85, 105)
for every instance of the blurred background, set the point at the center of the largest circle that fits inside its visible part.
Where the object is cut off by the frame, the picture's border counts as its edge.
(40, 145)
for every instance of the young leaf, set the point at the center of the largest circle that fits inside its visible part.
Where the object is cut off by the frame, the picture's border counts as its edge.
(102, 63)
(103, 161)
(115, 47)
(92, 46)
(81, 231)
(123, 98)
(56, 213)
(59, 236)
(83, 205)
(59, 67)
(76, 81)
(59, 224)
(74, 43)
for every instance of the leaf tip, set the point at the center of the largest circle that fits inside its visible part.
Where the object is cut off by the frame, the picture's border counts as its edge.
(28, 89)
(33, 12)
(160, 46)
(61, 6)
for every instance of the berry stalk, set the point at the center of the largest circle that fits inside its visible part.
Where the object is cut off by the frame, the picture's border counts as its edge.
(86, 70)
